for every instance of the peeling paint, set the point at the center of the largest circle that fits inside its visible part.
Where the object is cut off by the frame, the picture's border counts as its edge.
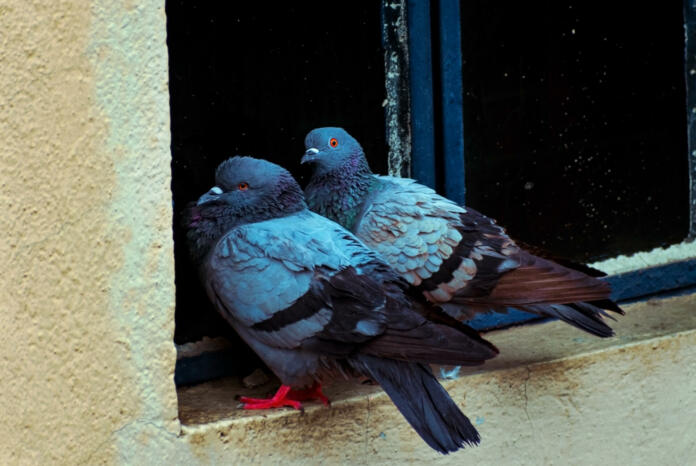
(639, 260)
(397, 113)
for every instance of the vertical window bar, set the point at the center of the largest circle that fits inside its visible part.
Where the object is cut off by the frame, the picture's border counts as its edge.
(690, 69)
(397, 112)
(421, 77)
(451, 95)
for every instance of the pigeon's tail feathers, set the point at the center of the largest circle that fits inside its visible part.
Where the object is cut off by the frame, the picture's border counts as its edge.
(584, 316)
(421, 399)
(549, 289)
(541, 252)
(588, 316)
(538, 280)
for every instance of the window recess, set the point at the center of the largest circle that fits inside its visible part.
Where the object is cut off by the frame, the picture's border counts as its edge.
(567, 122)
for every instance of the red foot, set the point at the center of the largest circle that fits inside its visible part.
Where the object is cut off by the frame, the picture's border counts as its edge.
(311, 393)
(285, 396)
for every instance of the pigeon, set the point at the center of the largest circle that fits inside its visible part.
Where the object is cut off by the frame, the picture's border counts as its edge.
(316, 304)
(456, 257)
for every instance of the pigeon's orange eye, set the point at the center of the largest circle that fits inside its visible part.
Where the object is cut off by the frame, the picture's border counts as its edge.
(243, 186)
(333, 142)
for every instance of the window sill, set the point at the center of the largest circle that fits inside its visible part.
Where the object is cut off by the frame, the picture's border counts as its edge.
(554, 393)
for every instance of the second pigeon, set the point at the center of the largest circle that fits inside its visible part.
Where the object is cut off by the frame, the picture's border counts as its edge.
(456, 257)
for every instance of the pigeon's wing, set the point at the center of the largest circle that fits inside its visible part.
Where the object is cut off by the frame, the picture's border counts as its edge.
(564, 261)
(288, 285)
(498, 274)
(463, 261)
(435, 244)
(410, 226)
(453, 252)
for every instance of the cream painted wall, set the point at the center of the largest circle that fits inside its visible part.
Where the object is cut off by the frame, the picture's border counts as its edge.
(87, 282)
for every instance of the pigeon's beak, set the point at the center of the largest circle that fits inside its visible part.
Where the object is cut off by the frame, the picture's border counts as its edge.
(211, 195)
(310, 155)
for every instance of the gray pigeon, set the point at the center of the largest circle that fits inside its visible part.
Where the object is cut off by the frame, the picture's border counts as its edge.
(456, 257)
(314, 303)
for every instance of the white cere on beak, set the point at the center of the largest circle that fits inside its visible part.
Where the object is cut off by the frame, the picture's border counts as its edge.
(312, 150)
(216, 190)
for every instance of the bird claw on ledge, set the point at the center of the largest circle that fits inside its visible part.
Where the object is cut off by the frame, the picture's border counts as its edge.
(286, 397)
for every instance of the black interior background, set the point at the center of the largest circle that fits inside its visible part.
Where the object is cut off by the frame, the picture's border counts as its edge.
(575, 123)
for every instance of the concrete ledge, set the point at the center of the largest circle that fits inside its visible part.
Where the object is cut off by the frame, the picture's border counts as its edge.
(554, 396)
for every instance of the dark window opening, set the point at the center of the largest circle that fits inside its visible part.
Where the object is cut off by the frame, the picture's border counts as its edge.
(575, 123)
(252, 79)
(574, 118)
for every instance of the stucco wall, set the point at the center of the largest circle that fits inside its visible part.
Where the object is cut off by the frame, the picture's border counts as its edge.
(87, 282)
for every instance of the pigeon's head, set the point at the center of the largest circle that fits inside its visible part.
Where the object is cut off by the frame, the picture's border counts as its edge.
(248, 190)
(332, 149)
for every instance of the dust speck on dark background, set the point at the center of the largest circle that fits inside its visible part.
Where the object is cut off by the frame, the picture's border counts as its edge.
(575, 123)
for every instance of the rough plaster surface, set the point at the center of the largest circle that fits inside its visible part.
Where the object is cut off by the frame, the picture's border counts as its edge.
(87, 270)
